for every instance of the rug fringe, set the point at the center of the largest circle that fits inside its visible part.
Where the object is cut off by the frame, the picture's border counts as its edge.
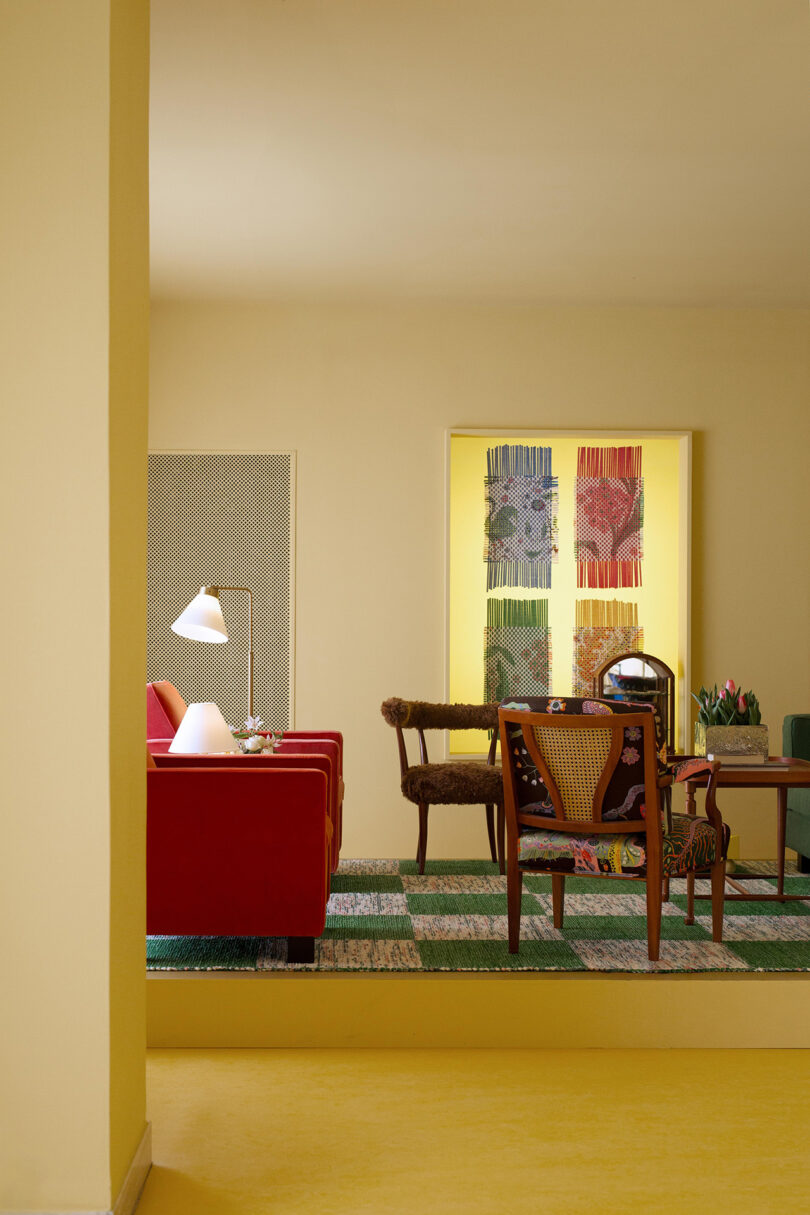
(605, 613)
(609, 462)
(517, 613)
(533, 574)
(605, 574)
(512, 460)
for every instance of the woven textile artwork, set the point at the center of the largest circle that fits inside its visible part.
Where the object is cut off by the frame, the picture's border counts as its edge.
(521, 517)
(609, 516)
(517, 649)
(604, 629)
(382, 916)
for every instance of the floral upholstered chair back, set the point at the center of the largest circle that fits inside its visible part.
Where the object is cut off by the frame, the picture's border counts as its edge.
(597, 770)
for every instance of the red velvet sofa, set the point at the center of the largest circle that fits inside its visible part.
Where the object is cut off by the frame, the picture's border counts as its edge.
(240, 845)
(164, 712)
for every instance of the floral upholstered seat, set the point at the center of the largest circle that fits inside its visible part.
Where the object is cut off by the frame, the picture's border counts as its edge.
(689, 845)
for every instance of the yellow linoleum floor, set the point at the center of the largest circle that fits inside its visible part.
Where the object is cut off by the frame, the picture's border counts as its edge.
(342, 1132)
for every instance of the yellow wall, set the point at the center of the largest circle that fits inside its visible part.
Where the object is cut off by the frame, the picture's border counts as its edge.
(129, 393)
(73, 344)
(365, 394)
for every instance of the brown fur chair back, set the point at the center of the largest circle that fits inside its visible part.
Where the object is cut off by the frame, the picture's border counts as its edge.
(422, 715)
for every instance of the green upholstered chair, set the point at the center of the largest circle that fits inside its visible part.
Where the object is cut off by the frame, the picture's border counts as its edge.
(796, 742)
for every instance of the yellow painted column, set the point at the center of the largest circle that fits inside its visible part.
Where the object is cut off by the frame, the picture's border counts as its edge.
(73, 371)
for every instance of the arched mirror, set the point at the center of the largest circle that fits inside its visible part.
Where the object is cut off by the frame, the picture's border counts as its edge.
(641, 678)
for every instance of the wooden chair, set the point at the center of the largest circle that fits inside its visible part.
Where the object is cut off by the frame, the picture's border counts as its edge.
(457, 783)
(582, 792)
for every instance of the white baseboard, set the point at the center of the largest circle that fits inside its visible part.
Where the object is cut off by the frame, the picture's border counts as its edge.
(138, 1171)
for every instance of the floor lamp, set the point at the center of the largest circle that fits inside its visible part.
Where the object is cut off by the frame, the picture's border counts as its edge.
(202, 620)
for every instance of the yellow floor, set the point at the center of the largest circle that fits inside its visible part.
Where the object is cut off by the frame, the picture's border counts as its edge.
(334, 1132)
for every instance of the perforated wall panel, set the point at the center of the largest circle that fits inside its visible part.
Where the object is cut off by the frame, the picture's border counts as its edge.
(224, 519)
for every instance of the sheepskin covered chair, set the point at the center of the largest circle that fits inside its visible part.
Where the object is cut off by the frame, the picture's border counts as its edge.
(450, 784)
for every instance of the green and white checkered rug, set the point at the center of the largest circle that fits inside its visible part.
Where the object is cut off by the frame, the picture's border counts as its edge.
(382, 916)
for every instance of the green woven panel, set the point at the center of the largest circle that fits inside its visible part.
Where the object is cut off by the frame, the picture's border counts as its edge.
(378, 883)
(773, 955)
(628, 928)
(492, 955)
(368, 927)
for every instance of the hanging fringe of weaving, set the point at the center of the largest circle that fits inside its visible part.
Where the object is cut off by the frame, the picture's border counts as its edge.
(604, 629)
(521, 517)
(517, 649)
(609, 516)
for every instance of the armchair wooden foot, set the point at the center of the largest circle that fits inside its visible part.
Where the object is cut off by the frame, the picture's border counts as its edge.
(300, 949)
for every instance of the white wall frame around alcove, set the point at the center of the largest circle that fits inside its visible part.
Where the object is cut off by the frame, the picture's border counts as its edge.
(225, 516)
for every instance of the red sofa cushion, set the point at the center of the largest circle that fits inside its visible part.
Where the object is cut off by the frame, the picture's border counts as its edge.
(165, 709)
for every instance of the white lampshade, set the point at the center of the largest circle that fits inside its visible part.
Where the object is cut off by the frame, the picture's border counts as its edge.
(203, 731)
(202, 620)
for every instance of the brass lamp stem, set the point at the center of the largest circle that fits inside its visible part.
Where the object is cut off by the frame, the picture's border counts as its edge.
(214, 590)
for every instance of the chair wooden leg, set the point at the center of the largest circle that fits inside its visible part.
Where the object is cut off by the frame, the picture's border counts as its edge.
(718, 897)
(514, 896)
(501, 839)
(654, 891)
(689, 918)
(491, 832)
(666, 890)
(558, 898)
(421, 847)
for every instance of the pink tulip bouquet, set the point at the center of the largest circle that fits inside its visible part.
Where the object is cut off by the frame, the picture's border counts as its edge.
(728, 707)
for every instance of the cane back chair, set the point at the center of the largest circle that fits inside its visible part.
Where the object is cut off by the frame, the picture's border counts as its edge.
(457, 783)
(582, 795)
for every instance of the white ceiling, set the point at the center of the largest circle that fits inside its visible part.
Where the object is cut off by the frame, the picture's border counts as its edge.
(559, 151)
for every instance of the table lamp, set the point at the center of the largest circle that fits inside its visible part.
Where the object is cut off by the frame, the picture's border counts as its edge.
(202, 620)
(203, 731)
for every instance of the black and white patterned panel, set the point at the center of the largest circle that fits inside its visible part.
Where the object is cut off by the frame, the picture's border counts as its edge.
(223, 519)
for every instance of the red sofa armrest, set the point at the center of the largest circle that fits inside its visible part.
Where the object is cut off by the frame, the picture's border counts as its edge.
(332, 735)
(235, 852)
(283, 759)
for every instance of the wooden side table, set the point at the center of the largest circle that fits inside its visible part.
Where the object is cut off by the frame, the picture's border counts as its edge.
(780, 773)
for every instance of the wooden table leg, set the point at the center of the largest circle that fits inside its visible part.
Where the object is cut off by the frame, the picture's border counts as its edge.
(690, 898)
(691, 808)
(781, 794)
